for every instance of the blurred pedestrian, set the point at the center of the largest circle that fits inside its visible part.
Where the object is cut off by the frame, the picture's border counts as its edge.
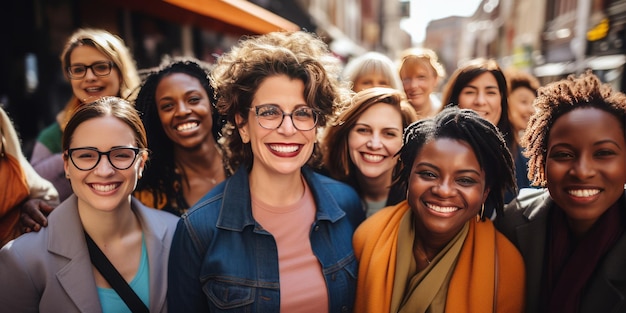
(421, 73)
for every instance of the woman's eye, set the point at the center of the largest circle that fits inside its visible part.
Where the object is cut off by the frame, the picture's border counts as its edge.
(426, 174)
(466, 181)
(363, 130)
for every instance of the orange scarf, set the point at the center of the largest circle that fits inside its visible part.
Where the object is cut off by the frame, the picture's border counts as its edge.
(489, 275)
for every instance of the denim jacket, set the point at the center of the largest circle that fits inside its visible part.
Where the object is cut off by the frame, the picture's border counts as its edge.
(222, 260)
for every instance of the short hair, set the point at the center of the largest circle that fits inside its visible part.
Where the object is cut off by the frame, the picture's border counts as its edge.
(298, 55)
(107, 106)
(335, 148)
(112, 47)
(372, 62)
(161, 174)
(483, 137)
(558, 98)
(519, 79)
(413, 57)
(468, 72)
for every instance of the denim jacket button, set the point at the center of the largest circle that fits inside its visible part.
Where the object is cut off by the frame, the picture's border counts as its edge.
(344, 309)
(316, 228)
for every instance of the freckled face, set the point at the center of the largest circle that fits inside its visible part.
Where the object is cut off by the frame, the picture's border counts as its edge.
(586, 164)
(483, 96)
(447, 187)
(375, 139)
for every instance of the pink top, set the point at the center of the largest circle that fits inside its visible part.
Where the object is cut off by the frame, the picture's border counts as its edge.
(302, 284)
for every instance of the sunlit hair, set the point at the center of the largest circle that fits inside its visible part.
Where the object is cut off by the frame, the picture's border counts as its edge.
(114, 49)
(298, 55)
(107, 106)
(468, 72)
(160, 176)
(558, 98)
(464, 125)
(520, 79)
(420, 57)
(372, 62)
(335, 147)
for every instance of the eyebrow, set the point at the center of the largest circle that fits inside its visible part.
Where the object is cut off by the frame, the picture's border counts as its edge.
(458, 172)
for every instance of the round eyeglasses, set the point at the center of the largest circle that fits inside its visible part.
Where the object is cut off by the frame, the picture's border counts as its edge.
(99, 69)
(270, 116)
(87, 158)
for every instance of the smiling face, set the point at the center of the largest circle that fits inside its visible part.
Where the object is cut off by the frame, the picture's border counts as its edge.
(483, 96)
(375, 139)
(184, 110)
(104, 187)
(586, 164)
(447, 187)
(92, 87)
(286, 149)
(419, 81)
(521, 107)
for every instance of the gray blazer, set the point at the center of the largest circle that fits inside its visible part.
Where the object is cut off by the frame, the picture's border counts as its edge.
(525, 222)
(50, 271)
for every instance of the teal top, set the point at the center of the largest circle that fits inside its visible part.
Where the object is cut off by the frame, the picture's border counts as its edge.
(111, 302)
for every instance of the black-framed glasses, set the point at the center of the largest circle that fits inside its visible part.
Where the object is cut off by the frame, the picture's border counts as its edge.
(102, 68)
(87, 158)
(270, 116)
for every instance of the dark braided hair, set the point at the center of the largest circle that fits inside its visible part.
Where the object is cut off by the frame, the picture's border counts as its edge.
(558, 98)
(160, 175)
(483, 137)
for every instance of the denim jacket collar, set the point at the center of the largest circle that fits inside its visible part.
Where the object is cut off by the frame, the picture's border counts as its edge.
(236, 210)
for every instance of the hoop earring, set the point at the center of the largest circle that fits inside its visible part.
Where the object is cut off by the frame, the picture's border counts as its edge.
(481, 215)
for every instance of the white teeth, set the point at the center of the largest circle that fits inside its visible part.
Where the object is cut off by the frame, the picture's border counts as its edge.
(284, 149)
(442, 209)
(104, 188)
(186, 126)
(583, 192)
(372, 157)
(93, 89)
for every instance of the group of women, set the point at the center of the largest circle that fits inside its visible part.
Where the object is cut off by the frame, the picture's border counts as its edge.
(273, 204)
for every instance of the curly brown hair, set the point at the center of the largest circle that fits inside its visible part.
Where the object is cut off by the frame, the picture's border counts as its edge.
(299, 55)
(558, 98)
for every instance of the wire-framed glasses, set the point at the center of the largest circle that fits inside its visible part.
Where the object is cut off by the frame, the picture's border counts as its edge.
(270, 116)
(102, 68)
(87, 158)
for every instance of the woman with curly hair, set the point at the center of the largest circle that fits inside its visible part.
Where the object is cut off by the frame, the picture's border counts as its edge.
(275, 236)
(183, 127)
(571, 232)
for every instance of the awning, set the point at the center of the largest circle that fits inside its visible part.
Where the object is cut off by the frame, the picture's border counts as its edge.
(234, 16)
(239, 13)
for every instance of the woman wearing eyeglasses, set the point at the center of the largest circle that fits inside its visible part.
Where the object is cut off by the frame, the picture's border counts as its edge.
(97, 64)
(54, 270)
(275, 236)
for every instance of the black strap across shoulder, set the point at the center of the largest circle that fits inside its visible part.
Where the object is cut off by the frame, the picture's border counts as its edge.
(114, 278)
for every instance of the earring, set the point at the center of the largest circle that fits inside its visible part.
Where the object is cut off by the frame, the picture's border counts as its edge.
(67, 175)
(481, 215)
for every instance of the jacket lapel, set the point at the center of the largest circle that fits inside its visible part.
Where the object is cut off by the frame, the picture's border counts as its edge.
(75, 273)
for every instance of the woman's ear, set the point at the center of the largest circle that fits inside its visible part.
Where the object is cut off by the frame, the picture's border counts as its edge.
(242, 128)
(485, 194)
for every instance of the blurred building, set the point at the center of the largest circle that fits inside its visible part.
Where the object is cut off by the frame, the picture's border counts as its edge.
(447, 38)
(550, 39)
